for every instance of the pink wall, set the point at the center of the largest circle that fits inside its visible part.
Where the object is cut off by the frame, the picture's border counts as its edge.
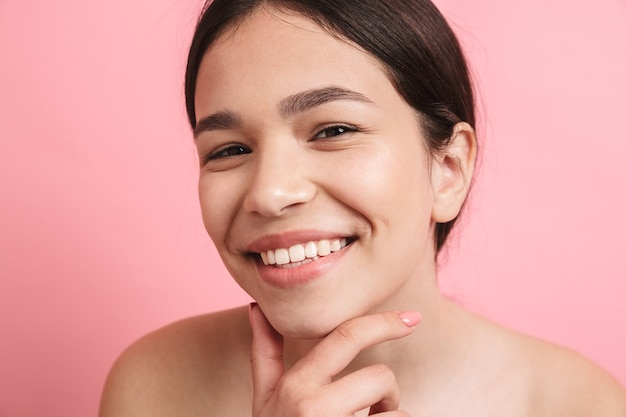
(100, 232)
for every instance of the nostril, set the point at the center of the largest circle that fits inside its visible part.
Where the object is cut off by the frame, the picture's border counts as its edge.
(273, 198)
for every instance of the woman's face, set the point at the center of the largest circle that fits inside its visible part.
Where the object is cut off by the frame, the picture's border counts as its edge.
(313, 163)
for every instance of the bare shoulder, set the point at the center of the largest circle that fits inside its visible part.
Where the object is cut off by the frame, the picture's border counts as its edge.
(186, 368)
(566, 383)
(521, 375)
(552, 380)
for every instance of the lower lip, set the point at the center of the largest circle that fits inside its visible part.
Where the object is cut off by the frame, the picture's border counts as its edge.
(302, 274)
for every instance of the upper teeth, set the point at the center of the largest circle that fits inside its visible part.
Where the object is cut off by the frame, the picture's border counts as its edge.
(302, 251)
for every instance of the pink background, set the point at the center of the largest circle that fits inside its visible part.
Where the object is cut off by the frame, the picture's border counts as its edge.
(100, 232)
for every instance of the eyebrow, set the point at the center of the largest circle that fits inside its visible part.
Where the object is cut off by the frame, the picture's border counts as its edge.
(222, 120)
(309, 99)
(296, 103)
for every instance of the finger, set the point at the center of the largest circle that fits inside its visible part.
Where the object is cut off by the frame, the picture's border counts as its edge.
(339, 348)
(266, 357)
(375, 384)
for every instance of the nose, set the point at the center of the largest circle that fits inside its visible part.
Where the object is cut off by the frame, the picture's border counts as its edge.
(279, 181)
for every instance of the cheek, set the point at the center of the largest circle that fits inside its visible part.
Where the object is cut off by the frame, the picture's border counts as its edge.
(218, 203)
(391, 184)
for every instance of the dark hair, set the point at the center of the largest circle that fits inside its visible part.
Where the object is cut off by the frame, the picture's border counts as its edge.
(413, 41)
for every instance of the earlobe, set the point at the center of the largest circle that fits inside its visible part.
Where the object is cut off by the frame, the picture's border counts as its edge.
(452, 173)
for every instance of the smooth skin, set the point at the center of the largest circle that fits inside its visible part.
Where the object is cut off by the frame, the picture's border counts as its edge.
(347, 340)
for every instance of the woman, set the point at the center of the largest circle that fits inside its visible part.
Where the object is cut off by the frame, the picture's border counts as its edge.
(337, 148)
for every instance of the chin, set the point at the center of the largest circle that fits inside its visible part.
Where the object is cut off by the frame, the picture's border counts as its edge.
(306, 324)
(308, 331)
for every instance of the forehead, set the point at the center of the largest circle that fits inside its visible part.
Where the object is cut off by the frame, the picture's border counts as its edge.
(284, 50)
(281, 22)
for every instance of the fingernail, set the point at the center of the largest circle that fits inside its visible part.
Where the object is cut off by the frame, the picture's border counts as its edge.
(410, 318)
(250, 307)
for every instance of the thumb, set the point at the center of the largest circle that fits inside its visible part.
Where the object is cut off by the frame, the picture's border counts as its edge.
(266, 358)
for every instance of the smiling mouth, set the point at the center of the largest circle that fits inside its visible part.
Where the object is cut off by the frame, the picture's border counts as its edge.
(303, 253)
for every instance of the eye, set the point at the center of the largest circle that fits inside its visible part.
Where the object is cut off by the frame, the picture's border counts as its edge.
(226, 152)
(333, 131)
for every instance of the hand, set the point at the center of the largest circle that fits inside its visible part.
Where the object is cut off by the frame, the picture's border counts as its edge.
(307, 389)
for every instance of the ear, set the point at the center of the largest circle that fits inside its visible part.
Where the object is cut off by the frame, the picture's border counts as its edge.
(452, 171)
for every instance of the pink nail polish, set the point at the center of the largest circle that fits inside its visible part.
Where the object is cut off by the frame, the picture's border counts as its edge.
(410, 318)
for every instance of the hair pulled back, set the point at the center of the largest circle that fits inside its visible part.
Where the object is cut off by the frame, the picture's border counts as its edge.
(413, 41)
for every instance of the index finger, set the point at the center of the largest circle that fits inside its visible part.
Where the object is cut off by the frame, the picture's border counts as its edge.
(266, 357)
(329, 357)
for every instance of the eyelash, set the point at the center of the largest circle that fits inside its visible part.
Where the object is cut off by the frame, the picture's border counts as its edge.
(224, 152)
(343, 129)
